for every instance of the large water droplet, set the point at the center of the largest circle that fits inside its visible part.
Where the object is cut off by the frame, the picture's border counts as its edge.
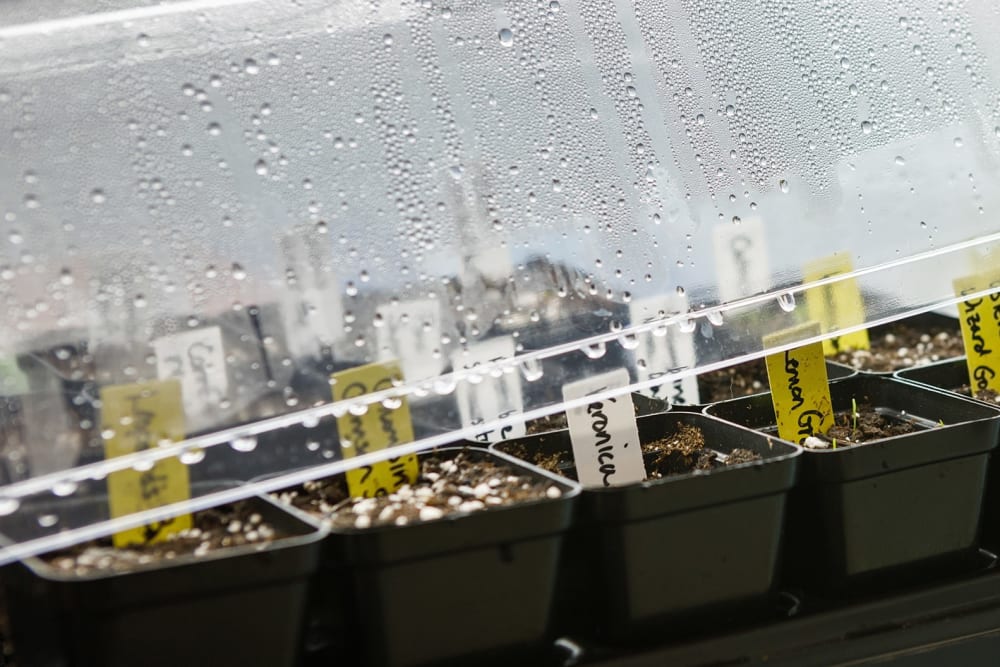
(786, 301)
(244, 443)
(506, 37)
(715, 317)
(63, 488)
(531, 369)
(192, 455)
(9, 506)
(628, 341)
(595, 350)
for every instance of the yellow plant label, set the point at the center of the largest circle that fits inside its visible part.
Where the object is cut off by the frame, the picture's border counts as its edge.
(980, 320)
(837, 305)
(379, 427)
(141, 416)
(799, 388)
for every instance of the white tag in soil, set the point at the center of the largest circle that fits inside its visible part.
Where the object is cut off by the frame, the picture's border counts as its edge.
(742, 267)
(493, 397)
(411, 333)
(605, 438)
(198, 360)
(660, 353)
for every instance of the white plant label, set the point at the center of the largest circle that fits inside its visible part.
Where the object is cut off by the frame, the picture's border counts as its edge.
(605, 438)
(493, 397)
(411, 333)
(662, 353)
(742, 267)
(198, 360)
(313, 319)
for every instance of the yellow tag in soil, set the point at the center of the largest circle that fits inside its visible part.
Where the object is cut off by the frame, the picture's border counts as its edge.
(980, 319)
(376, 429)
(141, 416)
(799, 387)
(837, 305)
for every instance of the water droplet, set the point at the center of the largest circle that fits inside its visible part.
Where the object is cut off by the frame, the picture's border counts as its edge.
(531, 369)
(628, 341)
(250, 66)
(900, 160)
(192, 455)
(244, 443)
(260, 167)
(736, 220)
(443, 386)
(595, 350)
(506, 37)
(958, 142)
(214, 129)
(687, 325)
(786, 301)
(139, 301)
(239, 273)
(715, 317)
(783, 186)
(142, 39)
(387, 39)
(63, 488)
(47, 520)
(9, 506)
(866, 127)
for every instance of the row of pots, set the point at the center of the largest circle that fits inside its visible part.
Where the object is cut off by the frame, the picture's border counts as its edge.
(618, 564)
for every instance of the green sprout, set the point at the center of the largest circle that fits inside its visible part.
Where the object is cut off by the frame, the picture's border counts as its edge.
(854, 415)
(940, 422)
(834, 443)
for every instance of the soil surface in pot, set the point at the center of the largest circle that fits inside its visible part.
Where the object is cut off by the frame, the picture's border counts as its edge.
(214, 529)
(677, 453)
(904, 346)
(867, 426)
(554, 422)
(986, 395)
(741, 380)
(447, 485)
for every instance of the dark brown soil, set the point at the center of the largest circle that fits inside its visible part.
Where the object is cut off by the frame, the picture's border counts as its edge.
(867, 427)
(903, 346)
(547, 424)
(986, 395)
(678, 453)
(448, 485)
(553, 422)
(214, 529)
(741, 380)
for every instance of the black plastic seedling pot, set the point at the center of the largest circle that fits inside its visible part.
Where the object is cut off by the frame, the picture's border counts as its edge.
(231, 607)
(468, 588)
(952, 375)
(879, 513)
(661, 553)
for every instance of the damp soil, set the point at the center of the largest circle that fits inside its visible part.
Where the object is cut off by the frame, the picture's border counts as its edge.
(448, 485)
(868, 426)
(214, 529)
(905, 346)
(744, 379)
(553, 422)
(985, 395)
(680, 452)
